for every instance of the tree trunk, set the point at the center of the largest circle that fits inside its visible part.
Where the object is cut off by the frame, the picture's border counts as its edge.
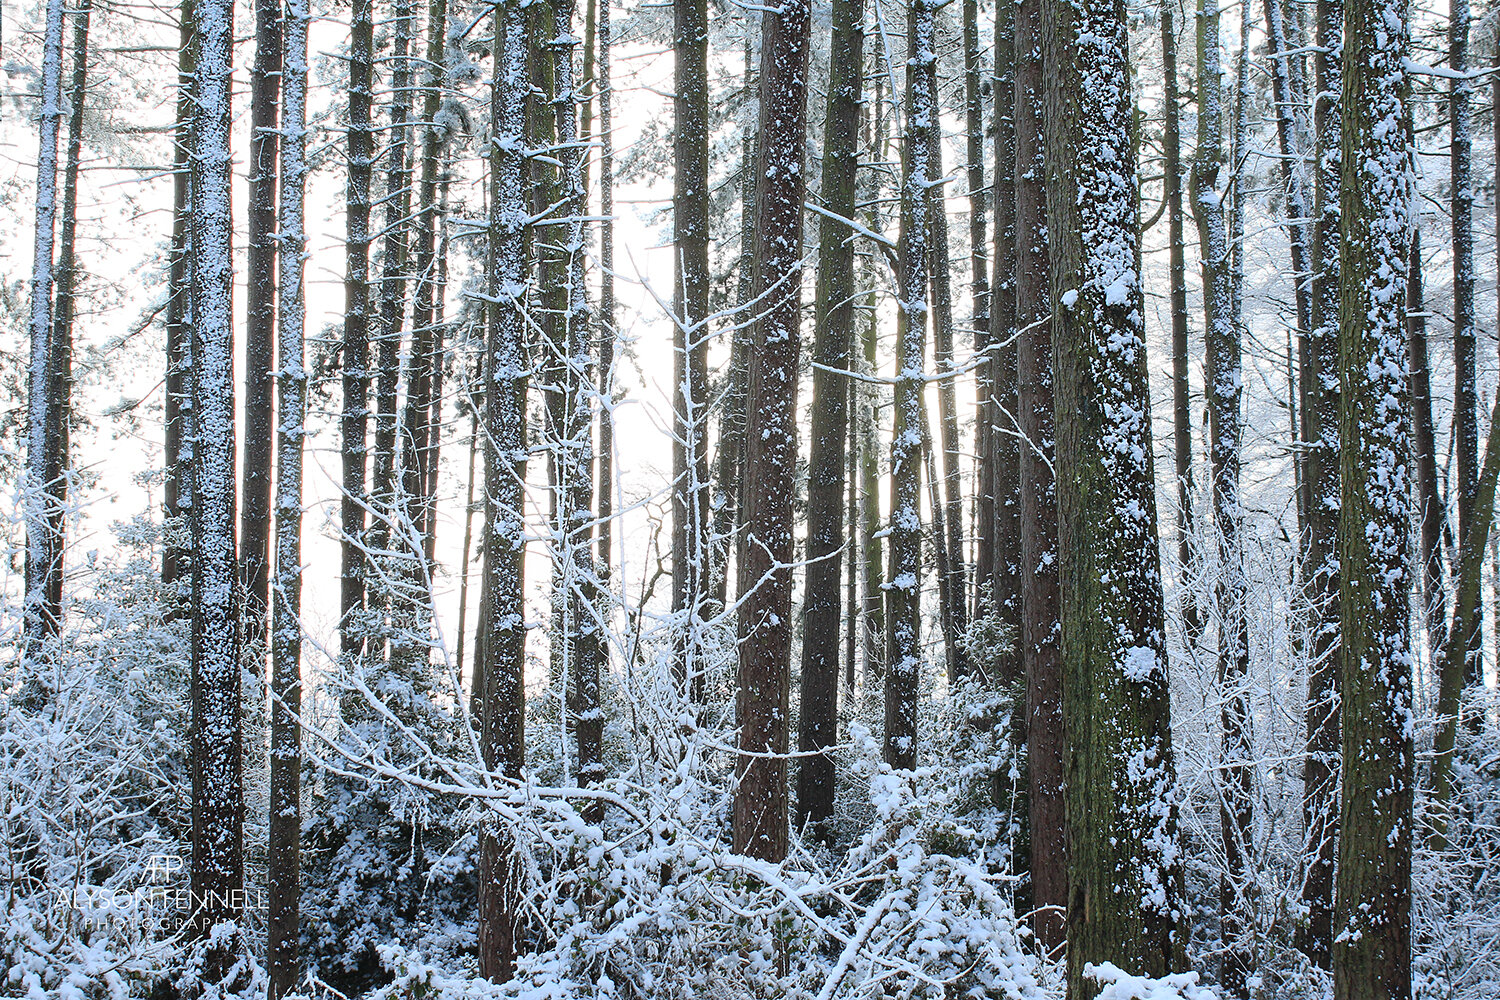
(974, 135)
(1182, 418)
(1431, 510)
(1004, 451)
(690, 287)
(59, 419)
(177, 415)
(903, 612)
(1041, 659)
(1461, 204)
(43, 552)
(260, 329)
(1125, 873)
(1372, 953)
(606, 478)
(1286, 97)
(833, 325)
(218, 870)
(765, 619)
(283, 861)
(1320, 408)
(355, 418)
(502, 625)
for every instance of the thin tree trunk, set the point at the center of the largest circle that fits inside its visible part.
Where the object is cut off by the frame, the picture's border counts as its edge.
(1182, 420)
(1461, 204)
(872, 568)
(690, 208)
(283, 861)
(503, 700)
(1430, 515)
(1041, 654)
(1125, 868)
(355, 418)
(1371, 955)
(218, 869)
(43, 552)
(1286, 96)
(984, 495)
(952, 601)
(260, 330)
(177, 416)
(765, 619)
(606, 480)
(1004, 455)
(1222, 282)
(1320, 408)
(833, 325)
(59, 430)
(903, 618)
(468, 547)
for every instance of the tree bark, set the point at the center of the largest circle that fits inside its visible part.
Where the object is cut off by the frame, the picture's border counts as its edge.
(1125, 872)
(260, 331)
(979, 280)
(283, 858)
(765, 619)
(218, 871)
(690, 287)
(43, 551)
(1041, 654)
(903, 611)
(354, 420)
(1182, 418)
(502, 616)
(1431, 510)
(178, 407)
(1465, 394)
(1320, 416)
(1371, 955)
(833, 325)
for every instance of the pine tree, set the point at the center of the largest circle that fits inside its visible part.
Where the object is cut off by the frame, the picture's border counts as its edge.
(833, 327)
(1125, 867)
(1371, 948)
(1041, 659)
(284, 868)
(218, 874)
(765, 618)
(502, 621)
(903, 616)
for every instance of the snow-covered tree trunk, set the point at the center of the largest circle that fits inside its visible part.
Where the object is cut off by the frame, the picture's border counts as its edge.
(903, 618)
(283, 859)
(60, 415)
(833, 328)
(690, 336)
(1003, 597)
(1125, 863)
(1461, 212)
(1371, 948)
(979, 278)
(765, 618)
(502, 645)
(354, 421)
(177, 403)
(218, 794)
(1431, 512)
(1320, 415)
(261, 253)
(1041, 654)
(606, 478)
(43, 552)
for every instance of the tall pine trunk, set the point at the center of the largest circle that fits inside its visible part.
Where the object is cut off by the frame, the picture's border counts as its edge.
(690, 288)
(1461, 204)
(218, 867)
(354, 421)
(1041, 654)
(765, 618)
(260, 330)
(177, 406)
(903, 611)
(1371, 955)
(283, 859)
(43, 552)
(833, 327)
(1125, 869)
(502, 615)
(1320, 416)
